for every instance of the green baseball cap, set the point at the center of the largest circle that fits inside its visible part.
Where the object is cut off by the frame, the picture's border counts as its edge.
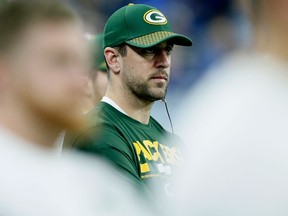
(97, 53)
(141, 26)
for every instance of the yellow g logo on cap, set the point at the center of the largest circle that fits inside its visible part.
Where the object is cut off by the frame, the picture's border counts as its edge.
(154, 17)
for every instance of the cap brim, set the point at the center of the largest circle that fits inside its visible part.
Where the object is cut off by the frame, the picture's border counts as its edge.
(159, 37)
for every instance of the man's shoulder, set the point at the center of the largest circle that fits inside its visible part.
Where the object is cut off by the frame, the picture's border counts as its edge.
(104, 113)
(102, 123)
(99, 114)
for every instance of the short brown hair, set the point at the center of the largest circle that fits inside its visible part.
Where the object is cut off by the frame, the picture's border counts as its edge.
(15, 16)
(122, 49)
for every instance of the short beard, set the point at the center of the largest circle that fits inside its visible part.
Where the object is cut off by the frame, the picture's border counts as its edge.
(142, 91)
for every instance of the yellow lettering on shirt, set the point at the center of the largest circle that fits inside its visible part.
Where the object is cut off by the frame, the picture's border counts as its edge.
(149, 152)
(140, 150)
(172, 155)
(154, 147)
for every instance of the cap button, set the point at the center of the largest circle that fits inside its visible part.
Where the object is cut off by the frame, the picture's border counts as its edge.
(130, 4)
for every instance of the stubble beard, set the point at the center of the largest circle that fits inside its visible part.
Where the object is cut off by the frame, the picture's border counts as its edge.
(144, 90)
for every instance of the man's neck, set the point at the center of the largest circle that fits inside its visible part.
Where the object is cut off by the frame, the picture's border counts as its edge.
(132, 106)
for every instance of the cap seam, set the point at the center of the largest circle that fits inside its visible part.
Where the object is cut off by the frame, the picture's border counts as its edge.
(127, 30)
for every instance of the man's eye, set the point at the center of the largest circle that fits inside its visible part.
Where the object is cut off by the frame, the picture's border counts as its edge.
(169, 49)
(149, 51)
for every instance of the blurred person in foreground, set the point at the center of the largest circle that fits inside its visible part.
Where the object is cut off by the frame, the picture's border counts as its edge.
(235, 123)
(43, 57)
(138, 43)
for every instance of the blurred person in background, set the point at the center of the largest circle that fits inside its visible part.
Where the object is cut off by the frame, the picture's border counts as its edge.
(94, 83)
(138, 43)
(94, 86)
(235, 124)
(97, 78)
(43, 57)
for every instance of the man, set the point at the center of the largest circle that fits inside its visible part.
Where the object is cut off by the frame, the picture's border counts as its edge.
(42, 61)
(235, 123)
(138, 43)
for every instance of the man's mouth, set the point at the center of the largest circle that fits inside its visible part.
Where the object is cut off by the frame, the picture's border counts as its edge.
(160, 77)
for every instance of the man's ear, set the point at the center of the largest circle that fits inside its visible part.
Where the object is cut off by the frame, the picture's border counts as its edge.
(112, 59)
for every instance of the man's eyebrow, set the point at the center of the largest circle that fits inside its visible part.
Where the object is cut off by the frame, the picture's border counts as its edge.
(164, 46)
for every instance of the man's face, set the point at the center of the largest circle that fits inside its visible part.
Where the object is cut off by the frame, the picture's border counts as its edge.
(48, 66)
(146, 72)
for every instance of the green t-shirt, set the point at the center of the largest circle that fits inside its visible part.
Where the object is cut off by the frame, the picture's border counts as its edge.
(146, 153)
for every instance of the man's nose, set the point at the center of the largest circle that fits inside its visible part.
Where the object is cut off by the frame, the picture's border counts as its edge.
(162, 59)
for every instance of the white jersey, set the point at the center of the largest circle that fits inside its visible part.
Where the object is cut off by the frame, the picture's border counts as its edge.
(235, 125)
(34, 181)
